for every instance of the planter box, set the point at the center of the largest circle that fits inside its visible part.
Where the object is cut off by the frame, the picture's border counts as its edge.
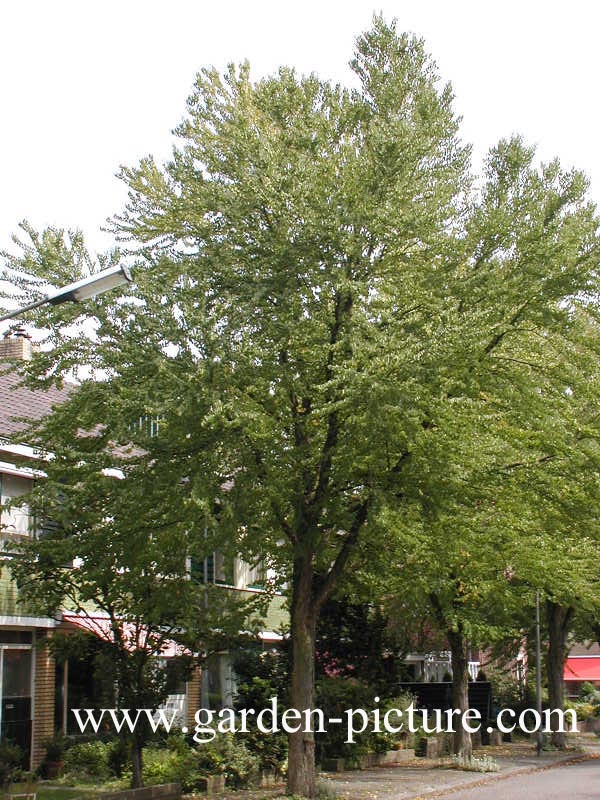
(496, 738)
(333, 765)
(369, 760)
(268, 778)
(164, 791)
(591, 725)
(392, 757)
(212, 784)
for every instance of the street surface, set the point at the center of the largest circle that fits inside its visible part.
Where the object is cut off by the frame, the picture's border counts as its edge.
(579, 781)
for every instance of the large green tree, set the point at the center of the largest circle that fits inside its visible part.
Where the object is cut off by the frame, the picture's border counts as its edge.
(511, 459)
(301, 241)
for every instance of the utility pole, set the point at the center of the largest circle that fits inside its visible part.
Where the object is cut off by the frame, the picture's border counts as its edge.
(538, 674)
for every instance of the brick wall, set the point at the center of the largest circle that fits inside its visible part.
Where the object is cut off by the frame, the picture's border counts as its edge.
(16, 347)
(193, 697)
(43, 702)
(164, 791)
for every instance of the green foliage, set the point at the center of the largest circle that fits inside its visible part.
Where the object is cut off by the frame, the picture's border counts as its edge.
(186, 765)
(589, 693)
(263, 674)
(335, 696)
(584, 709)
(11, 762)
(356, 640)
(54, 747)
(89, 761)
(228, 756)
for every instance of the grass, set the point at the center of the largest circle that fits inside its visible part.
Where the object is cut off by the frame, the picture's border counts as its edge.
(48, 791)
(45, 792)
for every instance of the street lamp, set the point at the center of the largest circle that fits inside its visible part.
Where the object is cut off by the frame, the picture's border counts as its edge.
(80, 290)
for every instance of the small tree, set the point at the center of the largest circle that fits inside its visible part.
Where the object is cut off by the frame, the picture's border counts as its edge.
(102, 557)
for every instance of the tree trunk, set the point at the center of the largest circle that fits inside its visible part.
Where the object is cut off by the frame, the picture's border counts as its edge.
(559, 619)
(301, 779)
(460, 690)
(136, 763)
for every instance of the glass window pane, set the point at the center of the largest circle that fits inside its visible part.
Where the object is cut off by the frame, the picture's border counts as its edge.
(16, 519)
(16, 673)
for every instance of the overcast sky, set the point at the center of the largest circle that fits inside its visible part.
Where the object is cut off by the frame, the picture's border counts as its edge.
(87, 85)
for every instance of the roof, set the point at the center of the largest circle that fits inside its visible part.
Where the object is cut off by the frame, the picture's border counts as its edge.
(582, 668)
(135, 638)
(584, 649)
(19, 401)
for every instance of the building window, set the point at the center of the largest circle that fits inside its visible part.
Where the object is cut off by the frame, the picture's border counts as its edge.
(147, 425)
(215, 568)
(14, 521)
(15, 683)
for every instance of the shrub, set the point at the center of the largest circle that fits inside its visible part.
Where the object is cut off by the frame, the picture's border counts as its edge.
(230, 757)
(476, 764)
(118, 756)
(166, 766)
(263, 675)
(584, 710)
(186, 765)
(589, 694)
(89, 760)
(335, 696)
(11, 761)
(54, 747)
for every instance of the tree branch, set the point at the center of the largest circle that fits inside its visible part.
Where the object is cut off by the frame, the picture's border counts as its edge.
(343, 306)
(332, 577)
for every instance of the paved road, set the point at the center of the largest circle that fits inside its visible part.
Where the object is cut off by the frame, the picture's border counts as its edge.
(580, 781)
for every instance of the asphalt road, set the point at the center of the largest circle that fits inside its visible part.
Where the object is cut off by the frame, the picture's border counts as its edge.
(580, 781)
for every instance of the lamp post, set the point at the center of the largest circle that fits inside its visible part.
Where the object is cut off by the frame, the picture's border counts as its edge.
(80, 290)
(538, 673)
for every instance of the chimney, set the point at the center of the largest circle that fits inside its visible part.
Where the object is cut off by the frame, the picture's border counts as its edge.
(16, 345)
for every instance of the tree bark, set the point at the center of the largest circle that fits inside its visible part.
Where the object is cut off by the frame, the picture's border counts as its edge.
(460, 690)
(558, 620)
(136, 763)
(301, 779)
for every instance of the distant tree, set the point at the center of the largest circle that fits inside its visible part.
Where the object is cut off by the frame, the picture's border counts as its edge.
(356, 640)
(103, 557)
(101, 550)
(511, 475)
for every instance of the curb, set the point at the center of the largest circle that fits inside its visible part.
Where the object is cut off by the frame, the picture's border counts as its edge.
(498, 776)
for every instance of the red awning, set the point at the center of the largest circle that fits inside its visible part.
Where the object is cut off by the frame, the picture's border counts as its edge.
(582, 668)
(135, 637)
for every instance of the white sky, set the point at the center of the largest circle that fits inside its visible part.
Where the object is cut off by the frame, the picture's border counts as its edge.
(87, 85)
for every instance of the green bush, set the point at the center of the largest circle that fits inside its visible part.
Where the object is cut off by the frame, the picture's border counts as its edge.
(186, 765)
(118, 756)
(263, 675)
(11, 762)
(335, 696)
(166, 766)
(584, 710)
(89, 760)
(589, 694)
(229, 756)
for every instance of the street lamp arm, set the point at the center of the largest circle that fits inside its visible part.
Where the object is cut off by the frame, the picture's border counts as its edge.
(80, 290)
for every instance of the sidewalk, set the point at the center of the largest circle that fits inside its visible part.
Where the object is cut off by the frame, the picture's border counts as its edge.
(426, 778)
